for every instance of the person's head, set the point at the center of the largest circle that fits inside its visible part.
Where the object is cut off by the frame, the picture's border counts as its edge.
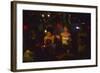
(27, 51)
(49, 33)
(65, 28)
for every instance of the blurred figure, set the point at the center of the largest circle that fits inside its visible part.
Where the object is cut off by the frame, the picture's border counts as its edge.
(48, 39)
(28, 56)
(65, 36)
(48, 47)
(64, 50)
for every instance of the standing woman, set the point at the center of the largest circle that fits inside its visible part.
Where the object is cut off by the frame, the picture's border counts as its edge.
(65, 40)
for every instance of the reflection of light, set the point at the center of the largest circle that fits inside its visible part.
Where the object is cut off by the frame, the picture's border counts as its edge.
(43, 15)
(48, 15)
(45, 31)
(83, 23)
(77, 27)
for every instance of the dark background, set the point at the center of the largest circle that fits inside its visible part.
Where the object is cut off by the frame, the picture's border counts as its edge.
(79, 25)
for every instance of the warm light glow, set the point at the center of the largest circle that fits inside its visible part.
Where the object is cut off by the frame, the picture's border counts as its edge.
(45, 31)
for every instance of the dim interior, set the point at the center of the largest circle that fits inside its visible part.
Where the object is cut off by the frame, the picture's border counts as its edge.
(55, 36)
